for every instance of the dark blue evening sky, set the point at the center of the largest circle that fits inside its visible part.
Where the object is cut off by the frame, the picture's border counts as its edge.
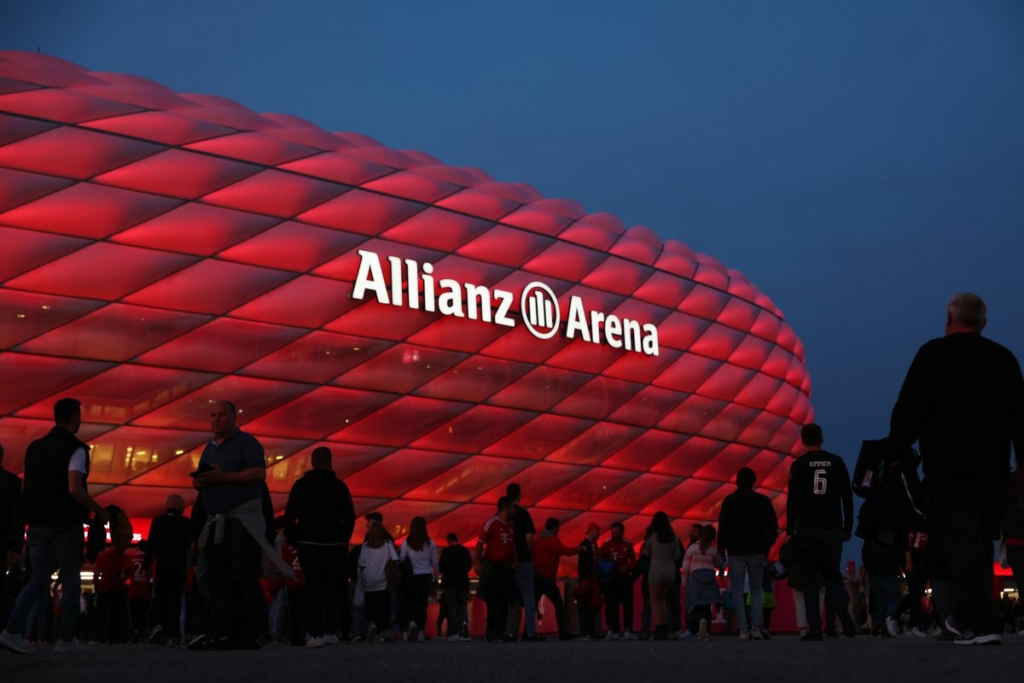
(859, 161)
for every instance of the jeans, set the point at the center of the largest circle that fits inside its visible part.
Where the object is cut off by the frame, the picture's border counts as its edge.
(455, 600)
(321, 565)
(47, 546)
(548, 587)
(524, 581)
(819, 553)
(885, 598)
(752, 568)
(619, 593)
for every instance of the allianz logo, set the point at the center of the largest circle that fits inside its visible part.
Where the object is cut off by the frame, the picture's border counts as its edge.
(538, 305)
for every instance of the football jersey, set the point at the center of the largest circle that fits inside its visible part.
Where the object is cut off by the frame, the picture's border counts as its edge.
(819, 493)
(499, 541)
(140, 586)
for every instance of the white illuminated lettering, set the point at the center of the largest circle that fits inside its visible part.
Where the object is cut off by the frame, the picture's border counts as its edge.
(504, 300)
(631, 332)
(450, 301)
(576, 322)
(478, 296)
(650, 344)
(370, 277)
(396, 280)
(428, 287)
(612, 330)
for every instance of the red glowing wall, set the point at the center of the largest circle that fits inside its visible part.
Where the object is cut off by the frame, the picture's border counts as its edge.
(161, 250)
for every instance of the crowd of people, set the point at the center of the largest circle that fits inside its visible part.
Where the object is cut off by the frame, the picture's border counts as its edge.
(232, 576)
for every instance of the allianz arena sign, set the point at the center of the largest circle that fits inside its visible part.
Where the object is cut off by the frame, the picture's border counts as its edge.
(539, 307)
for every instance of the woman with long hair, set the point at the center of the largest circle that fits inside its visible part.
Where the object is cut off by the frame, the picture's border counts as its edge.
(702, 591)
(662, 547)
(374, 556)
(421, 554)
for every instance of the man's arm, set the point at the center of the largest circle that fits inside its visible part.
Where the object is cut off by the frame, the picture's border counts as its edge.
(905, 422)
(78, 491)
(846, 491)
(348, 511)
(250, 475)
(724, 526)
(791, 503)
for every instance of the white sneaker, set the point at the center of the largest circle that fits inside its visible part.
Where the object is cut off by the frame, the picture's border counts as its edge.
(612, 635)
(892, 627)
(455, 637)
(330, 639)
(313, 641)
(684, 635)
(756, 633)
(703, 632)
(371, 633)
(917, 633)
(70, 647)
(629, 635)
(412, 635)
(744, 634)
(951, 627)
(16, 643)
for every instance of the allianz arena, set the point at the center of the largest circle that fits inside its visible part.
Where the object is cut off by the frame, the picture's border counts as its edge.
(443, 333)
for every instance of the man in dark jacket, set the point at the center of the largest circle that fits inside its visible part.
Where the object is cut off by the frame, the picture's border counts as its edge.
(57, 504)
(12, 529)
(168, 545)
(318, 522)
(586, 570)
(747, 528)
(454, 567)
(963, 402)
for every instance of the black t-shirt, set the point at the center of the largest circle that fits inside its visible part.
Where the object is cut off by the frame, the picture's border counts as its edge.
(819, 494)
(522, 524)
(454, 566)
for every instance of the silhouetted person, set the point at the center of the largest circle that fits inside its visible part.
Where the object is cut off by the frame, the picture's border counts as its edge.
(963, 403)
(167, 554)
(12, 529)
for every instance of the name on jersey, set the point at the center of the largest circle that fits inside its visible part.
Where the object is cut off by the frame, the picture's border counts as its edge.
(820, 463)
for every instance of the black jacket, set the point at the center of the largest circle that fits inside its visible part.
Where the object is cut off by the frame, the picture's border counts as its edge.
(47, 498)
(454, 566)
(12, 517)
(169, 539)
(585, 560)
(963, 401)
(319, 510)
(747, 524)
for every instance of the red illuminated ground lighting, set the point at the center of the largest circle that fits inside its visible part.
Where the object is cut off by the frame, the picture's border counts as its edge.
(161, 250)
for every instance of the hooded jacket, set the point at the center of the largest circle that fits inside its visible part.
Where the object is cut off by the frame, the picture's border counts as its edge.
(747, 524)
(319, 510)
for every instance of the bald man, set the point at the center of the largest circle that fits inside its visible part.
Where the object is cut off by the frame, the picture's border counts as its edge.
(963, 403)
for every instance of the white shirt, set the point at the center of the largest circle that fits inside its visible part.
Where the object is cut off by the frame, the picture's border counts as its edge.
(423, 561)
(78, 462)
(372, 562)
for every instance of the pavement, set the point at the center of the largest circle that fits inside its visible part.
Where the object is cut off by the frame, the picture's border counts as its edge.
(784, 658)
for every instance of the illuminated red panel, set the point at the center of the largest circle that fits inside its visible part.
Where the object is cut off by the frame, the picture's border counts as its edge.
(275, 193)
(195, 229)
(637, 494)
(648, 407)
(598, 398)
(319, 412)
(539, 437)
(75, 274)
(125, 392)
(17, 433)
(400, 472)
(538, 481)
(346, 459)
(292, 246)
(278, 305)
(121, 454)
(440, 410)
(94, 153)
(474, 379)
(480, 204)
(595, 444)
(400, 422)
(222, 345)
(340, 168)
(116, 332)
(260, 149)
(400, 369)
(27, 249)
(178, 173)
(318, 357)
(161, 126)
(474, 430)
(29, 378)
(468, 479)
(87, 210)
(252, 396)
(210, 287)
(646, 450)
(540, 389)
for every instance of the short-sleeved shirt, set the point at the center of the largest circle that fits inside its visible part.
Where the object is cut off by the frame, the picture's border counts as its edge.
(498, 541)
(240, 451)
(78, 463)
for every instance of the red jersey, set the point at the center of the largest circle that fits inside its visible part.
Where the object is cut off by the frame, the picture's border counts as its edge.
(619, 552)
(140, 585)
(110, 570)
(499, 541)
(547, 548)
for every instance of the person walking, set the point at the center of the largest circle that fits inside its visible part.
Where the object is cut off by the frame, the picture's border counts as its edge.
(167, 550)
(56, 502)
(700, 563)
(421, 553)
(662, 547)
(962, 401)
